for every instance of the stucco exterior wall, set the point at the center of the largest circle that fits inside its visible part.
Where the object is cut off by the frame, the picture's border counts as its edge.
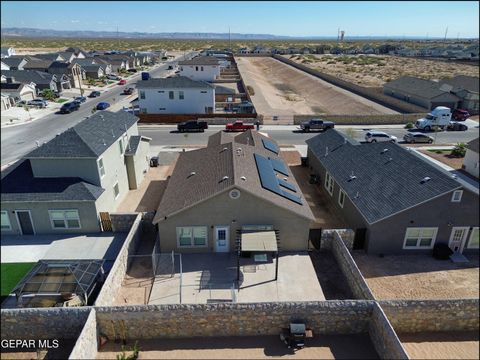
(41, 219)
(138, 165)
(246, 210)
(387, 236)
(83, 168)
(470, 162)
(195, 100)
(194, 72)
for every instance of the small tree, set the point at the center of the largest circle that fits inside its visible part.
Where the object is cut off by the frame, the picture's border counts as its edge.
(94, 109)
(48, 94)
(409, 125)
(459, 150)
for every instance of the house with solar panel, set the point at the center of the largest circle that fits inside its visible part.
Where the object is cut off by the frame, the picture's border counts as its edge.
(394, 199)
(64, 185)
(234, 186)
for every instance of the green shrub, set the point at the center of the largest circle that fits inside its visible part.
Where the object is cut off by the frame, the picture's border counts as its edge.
(409, 125)
(438, 151)
(459, 150)
(250, 90)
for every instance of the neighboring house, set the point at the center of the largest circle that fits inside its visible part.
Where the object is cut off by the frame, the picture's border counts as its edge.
(79, 52)
(8, 101)
(233, 185)
(69, 56)
(425, 93)
(37, 64)
(176, 95)
(7, 52)
(50, 57)
(466, 88)
(63, 185)
(15, 63)
(42, 80)
(224, 94)
(18, 91)
(94, 71)
(244, 51)
(5, 66)
(115, 64)
(396, 201)
(204, 68)
(470, 162)
(72, 72)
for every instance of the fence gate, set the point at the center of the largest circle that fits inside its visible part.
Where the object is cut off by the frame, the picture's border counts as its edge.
(106, 221)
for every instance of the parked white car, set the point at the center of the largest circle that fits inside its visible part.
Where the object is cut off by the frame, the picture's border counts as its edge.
(379, 136)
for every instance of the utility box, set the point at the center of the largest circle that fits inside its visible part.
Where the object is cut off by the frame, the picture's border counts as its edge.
(154, 161)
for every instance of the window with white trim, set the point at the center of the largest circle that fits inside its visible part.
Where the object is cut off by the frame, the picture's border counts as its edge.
(116, 190)
(473, 242)
(64, 219)
(5, 221)
(101, 168)
(420, 238)
(171, 95)
(192, 236)
(142, 94)
(120, 146)
(329, 183)
(457, 195)
(181, 95)
(341, 198)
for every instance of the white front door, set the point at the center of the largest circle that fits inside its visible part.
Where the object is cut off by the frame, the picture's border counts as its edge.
(457, 238)
(222, 238)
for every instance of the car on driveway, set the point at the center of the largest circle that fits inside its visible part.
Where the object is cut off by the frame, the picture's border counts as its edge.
(102, 105)
(456, 126)
(460, 115)
(379, 136)
(94, 94)
(128, 91)
(38, 103)
(122, 82)
(80, 99)
(417, 137)
(69, 107)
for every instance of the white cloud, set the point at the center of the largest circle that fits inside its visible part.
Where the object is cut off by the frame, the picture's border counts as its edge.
(74, 21)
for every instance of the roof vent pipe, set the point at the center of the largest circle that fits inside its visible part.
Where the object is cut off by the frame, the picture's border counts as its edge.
(243, 178)
(384, 151)
(326, 151)
(225, 178)
(425, 179)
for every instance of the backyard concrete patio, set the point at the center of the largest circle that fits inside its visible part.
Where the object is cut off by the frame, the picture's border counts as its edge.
(212, 278)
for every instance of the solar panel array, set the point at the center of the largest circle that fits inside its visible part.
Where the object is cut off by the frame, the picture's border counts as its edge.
(270, 145)
(267, 169)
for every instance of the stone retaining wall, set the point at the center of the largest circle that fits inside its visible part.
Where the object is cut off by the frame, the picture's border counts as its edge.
(383, 336)
(337, 241)
(172, 321)
(117, 273)
(122, 222)
(87, 343)
(43, 323)
(411, 316)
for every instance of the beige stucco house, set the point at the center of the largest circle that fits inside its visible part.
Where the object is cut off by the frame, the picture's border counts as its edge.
(470, 162)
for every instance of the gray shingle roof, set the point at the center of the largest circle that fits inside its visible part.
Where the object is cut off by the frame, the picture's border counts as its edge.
(385, 183)
(223, 90)
(200, 60)
(28, 76)
(13, 61)
(211, 165)
(49, 56)
(134, 143)
(11, 86)
(178, 82)
(419, 87)
(89, 138)
(35, 63)
(19, 184)
(474, 145)
(459, 82)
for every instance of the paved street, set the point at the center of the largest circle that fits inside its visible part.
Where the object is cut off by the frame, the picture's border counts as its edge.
(163, 135)
(17, 140)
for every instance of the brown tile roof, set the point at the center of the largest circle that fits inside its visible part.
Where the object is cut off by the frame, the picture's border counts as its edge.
(222, 158)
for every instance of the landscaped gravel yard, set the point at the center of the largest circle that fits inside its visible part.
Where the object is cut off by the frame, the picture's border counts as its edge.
(419, 277)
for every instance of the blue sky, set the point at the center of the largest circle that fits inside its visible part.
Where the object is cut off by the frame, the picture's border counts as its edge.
(277, 18)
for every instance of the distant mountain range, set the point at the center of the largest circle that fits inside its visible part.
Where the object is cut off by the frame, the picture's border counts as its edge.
(46, 33)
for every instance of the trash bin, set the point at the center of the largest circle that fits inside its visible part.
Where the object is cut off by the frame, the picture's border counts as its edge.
(304, 160)
(154, 161)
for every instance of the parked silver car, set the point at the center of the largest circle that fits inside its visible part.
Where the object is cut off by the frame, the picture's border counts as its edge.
(417, 137)
(379, 136)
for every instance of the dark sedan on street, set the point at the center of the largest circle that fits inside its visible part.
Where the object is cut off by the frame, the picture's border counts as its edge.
(102, 105)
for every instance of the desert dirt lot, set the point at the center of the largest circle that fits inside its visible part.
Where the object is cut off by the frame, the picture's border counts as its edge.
(283, 90)
(441, 345)
(248, 347)
(419, 277)
(376, 70)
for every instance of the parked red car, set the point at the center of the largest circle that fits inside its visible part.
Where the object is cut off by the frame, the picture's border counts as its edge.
(460, 115)
(122, 82)
(238, 126)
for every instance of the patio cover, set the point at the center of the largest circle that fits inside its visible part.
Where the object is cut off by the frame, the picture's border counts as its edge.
(259, 241)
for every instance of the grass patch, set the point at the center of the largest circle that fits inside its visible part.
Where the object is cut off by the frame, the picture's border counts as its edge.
(61, 100)
(440, 151)
(11, 274)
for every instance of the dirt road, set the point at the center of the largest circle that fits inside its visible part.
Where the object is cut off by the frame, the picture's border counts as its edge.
(283, 90)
